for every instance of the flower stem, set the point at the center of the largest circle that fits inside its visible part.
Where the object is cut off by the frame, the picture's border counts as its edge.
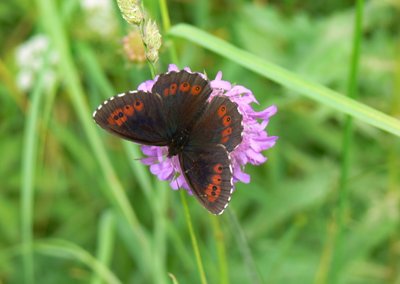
(219, 237)
(193, 238)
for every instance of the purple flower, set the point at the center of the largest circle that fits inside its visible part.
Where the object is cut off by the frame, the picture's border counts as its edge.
(255, 138)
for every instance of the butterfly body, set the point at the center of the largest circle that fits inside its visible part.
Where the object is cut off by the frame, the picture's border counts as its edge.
(177, 113)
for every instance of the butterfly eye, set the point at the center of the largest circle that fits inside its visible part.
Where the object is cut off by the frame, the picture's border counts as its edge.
(221, 111)
(138, 105)
(184, 87)
(196, 89)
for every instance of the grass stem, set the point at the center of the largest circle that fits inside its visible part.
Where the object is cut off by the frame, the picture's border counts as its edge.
(193, 238)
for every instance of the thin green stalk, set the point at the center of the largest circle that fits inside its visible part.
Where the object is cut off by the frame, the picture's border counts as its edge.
(160, 233)
(288, 79)
(393, 169)
(193, 238)
(173, 278)
(29, 154)
(115, 192)
(105, 244)
(165, 15)
(221, 252)
(167, 26)
(347, 142)
(243, 245)
(48, 104)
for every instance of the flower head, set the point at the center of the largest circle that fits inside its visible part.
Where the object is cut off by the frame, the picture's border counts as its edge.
(133, 46)
(254, 139)
(97, 13)
(152, 40)
(131, 11)
(31, 57)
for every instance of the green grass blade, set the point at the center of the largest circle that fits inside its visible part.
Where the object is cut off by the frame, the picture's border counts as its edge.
(193, 238)
(105, 243)
(28, 170)
(221, 251)
(288, 79)
(66, 250)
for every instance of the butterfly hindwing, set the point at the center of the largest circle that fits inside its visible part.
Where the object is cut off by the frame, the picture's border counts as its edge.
(208, 172)
(221, 123)
(184, 96)
(136, 116)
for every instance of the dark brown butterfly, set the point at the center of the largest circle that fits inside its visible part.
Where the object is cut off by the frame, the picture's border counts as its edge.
(177, 113)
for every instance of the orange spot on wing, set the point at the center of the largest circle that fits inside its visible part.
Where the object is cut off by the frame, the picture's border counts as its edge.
(216, 179)
(172, 88)
(196, 89)
(218, 168)
(117, 117)
(184, 87)
(129, 110)
(221, 110)
(138, 105)
(227, 132)
(224, 139)
(166, 92)
(213, 191)
(226, 120)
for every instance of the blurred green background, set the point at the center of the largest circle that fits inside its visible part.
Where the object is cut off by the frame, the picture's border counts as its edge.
(76, 206)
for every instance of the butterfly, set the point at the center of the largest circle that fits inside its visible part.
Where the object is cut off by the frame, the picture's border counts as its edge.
(178, 113)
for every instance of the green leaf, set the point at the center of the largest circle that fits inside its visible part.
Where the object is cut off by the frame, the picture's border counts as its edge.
(288, 79)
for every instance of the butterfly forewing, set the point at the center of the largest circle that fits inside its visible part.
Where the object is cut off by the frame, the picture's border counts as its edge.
(221, 123)
(184, 96)
(136, 116)
(208, 172)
